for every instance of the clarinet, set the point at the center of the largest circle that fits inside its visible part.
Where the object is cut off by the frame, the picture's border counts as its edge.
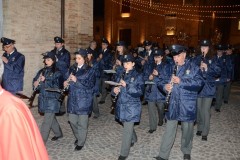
(155, 68)
(35, 90)
(114, 99)
(203, 59)
(63, 91)
(166, 104)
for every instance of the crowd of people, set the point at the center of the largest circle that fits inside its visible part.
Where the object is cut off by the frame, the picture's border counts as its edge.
(178, 85)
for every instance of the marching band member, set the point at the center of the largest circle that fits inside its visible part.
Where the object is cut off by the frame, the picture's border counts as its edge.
(14, 62)
(183, 87)
(128, 107)
(153, 95)
(80, 97)
(49, 77)
(210, 70)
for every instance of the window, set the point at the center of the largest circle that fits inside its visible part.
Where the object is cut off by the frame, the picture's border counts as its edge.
(239, 24)
(125, 10)
(170, 24)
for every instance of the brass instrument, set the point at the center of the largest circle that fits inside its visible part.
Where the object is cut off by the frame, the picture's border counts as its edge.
(35, 90)
(166, 104)
(63, 91)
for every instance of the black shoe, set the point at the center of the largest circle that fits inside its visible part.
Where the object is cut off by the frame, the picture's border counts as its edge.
(132, 144)
(122, 157)
(217, 110)
(60, 114)
(204, 138)
(56, 138)
(95, 117)
(226, 102)
(145, 103)
(160, 123)
(186, 157)
(78, 148)
(159, 158)
(76, 142)
(151, 131)
(199, 133)
(101, 102)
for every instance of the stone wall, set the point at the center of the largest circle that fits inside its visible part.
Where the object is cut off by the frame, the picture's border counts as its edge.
(34, 24)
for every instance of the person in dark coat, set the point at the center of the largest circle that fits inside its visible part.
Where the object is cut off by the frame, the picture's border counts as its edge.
(49, 78)
(128, 107)
(221, 58)
(62, 63)
(210, 70)
(230, 73)
(105, 64)
(81, 83)
(184, 85)
(153, 95)
(94, 64)
(14, 63)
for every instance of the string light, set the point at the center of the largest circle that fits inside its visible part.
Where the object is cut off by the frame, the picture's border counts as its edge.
(154, 13)
(147, 5)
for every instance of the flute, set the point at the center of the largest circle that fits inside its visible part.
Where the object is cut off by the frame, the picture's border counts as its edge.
(166, 104)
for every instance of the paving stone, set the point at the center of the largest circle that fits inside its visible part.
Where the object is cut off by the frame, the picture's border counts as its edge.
(104, 137)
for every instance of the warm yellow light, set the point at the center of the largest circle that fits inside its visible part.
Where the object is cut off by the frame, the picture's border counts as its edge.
(170, 32)
(125, 15)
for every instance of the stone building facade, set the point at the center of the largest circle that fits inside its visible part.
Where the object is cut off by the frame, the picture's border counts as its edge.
(34, 24)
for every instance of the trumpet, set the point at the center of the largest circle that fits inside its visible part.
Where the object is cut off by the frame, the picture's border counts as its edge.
(35, 90)
(166, 104)
(63, 91)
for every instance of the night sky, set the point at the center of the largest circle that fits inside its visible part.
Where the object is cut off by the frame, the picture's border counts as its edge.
(98, 8)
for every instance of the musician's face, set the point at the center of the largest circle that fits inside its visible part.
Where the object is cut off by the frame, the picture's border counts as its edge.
(158, 59)
(204, 49)
(220, 52)
(8, 48)
(120, 49)
(59, 45)
(180, 58)
(79, 59)
(128, 66)
(93, 45)
(148, 47)
(48, 62)
(229, 52)
(89, 56)
(104, 46)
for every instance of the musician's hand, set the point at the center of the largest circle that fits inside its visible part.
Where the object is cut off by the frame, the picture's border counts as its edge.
(73, 78)
(168, 87)
(35, 84)
(118, 63)
(143, 62)
(100, 56)
(116, 90)
(155, 72)
(42, 78)
(151, 77)
(4, 59)
(65, 84)
(123, 83)
(176, 79)
(146, 58)
(204, 66)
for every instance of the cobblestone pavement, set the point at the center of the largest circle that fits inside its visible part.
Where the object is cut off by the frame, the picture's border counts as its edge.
(104, 137)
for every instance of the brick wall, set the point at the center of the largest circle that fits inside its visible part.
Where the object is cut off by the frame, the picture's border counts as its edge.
(33, 24)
